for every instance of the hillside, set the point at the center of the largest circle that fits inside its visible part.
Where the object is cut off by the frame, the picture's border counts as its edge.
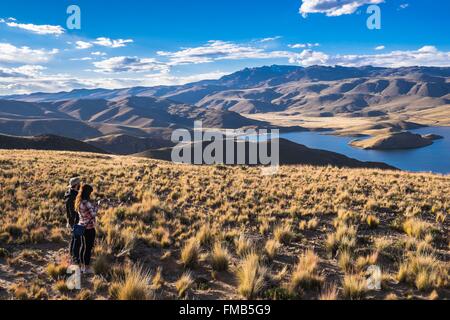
(314, 91)
(290, 154)
(171, 219)
(394, 141)
(267, 76)
(344, 99)
(124, 144)
(46, 142)
(250, 97)
(132, 116)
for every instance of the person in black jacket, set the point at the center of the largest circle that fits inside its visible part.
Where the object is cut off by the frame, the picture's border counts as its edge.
(72, 215)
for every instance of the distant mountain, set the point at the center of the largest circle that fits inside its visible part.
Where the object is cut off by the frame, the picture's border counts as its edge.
(46, 142)
(290, 154)
(92, 118)
(314, 91)
(327, 94)
(267, 76)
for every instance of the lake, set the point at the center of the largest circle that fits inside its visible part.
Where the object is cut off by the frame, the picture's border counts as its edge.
(434, 158)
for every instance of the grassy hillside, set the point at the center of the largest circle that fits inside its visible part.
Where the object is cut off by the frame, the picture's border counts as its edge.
(172, 231)
(47, 142)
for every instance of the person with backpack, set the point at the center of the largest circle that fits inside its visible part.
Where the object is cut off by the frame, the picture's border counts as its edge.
(84, 230)
(71, 214)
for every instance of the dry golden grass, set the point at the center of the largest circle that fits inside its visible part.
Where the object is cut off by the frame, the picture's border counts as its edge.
(56, 271)
(189, 253)
(84, 294)
(220, 257)
(354, 287)
(304, 276)
(136, 285)
(416, 228)
(19, 292)
(244, 246)
(205, 235)
(28, 291)
(271, 248)
(61, 286)
(330, 292)
(424, 271)
(309, 225)
(158, 280)
(364, 261)
(184, 284)
(283, 233)
(251, 276)
(372, 221)
(345, 260)
(172, 217)
(343, 239)
(101, 264)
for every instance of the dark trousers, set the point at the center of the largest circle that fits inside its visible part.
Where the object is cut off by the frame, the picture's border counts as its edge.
(82, 247)
(71, 249)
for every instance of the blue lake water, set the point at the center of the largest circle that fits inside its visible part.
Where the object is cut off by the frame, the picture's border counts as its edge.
(434, 158)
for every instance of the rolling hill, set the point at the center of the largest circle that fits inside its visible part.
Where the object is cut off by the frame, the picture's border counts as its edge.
(124, 144)
(93, 118)
(46, 142)
(132, 120)
(290, 154)
(393, 141)
(153, 211)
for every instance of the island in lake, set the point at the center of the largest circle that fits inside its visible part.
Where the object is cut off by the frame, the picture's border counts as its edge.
(394, 141)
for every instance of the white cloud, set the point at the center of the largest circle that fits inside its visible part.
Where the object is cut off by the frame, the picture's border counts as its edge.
(129, 64)
(81, 59)
(12, 54)
(25, 71)
(43, 29)
(428, 49)
(111, 43)
(42, 82)
(303, 45)
(309, 57)
(216, 50)
(270, 39)
(425, 56)
(168, 79)
(380, 48)
(98, 53)
(333, 7)
(103, 42)
(403, 6)
(83, 45)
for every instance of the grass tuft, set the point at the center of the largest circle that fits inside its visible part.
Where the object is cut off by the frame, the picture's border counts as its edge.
(251, 276)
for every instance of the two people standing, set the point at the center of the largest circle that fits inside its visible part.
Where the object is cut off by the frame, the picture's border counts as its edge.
(81, 219)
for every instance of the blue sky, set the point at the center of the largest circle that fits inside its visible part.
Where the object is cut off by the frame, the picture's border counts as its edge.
(135, 42)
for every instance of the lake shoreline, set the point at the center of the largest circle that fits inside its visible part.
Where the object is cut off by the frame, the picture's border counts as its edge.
(432, 158)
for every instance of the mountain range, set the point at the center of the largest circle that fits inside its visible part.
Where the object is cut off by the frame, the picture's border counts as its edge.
(134, 120)
(92, 118)
(312, 91)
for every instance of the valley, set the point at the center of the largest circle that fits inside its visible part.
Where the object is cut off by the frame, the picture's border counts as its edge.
(359, 102)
